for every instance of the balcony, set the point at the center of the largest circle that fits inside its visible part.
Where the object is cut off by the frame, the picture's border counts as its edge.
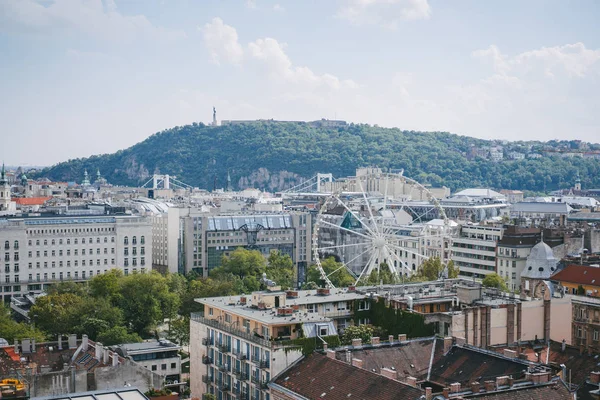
(264, 385)
(223, 387)
(207, 379)
(241, 376)
(255, 379)
(207, 360)
(223, 367)
(261, 363)
(205, 341)
(241, 356)
(199, 317)
(224, 348)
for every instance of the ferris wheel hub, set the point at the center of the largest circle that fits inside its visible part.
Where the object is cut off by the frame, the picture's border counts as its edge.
(379, 242)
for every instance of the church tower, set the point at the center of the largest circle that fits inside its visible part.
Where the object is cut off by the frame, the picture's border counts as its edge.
(86, 179)
(4, 191)
(228, 182)
(578, 182)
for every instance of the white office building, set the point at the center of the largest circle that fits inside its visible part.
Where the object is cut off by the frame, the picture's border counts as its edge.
(39, 251)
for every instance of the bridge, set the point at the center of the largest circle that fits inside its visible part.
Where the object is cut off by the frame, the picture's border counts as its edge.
(165, 182)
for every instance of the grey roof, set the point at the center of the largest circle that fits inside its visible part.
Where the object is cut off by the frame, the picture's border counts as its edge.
(146, 347)
(107, 394)
(561, 208)
(480, 192)
(541, 263)
(235, 222)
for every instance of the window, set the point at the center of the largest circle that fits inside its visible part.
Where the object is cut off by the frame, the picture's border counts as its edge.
(363, 305)
(142, 250)
(134, 240)
(53, 253)
(173, 365)
(6, 245)
(163, 367)
(595, 336)
(154, 368)
(126, 251)
(210, 311)
(125, 240)
(126, 262)
(16, 245)
(142, 240)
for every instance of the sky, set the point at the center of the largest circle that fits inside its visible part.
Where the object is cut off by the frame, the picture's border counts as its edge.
(84, 77)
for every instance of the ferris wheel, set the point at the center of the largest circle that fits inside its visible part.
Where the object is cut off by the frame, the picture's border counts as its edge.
(379, 221)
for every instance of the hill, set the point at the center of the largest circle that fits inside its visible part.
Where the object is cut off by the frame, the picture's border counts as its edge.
(276, 155)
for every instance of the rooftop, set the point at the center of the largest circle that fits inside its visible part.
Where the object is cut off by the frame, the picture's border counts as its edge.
(318, 376)
(107, 394)
(145, 347)
(578, 274)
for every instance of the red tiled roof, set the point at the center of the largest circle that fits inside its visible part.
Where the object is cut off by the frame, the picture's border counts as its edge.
(318, 376)
(551, 391)
(31, 201)
(578, 274)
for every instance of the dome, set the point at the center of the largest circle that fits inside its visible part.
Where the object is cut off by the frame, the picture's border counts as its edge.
(541, 263)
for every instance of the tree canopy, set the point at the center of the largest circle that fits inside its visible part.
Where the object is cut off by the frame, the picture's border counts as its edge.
(495, 281)
(197, 154)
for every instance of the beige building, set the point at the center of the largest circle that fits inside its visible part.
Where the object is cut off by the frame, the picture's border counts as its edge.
(239, 343)
(41, 250)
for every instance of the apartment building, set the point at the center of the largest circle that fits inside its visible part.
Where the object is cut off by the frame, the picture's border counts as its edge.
(239, 343)
(159, 356)
(39, 251)
(193, 239)
(474, 250)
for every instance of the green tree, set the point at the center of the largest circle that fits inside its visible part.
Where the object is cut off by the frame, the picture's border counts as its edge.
(580, 290)
(180, 331)
(363, 332)
(432, 269)
(310, 286)
(495, 281)
(337, 273)
(11, 330)
(453, 270)
(204, 287)
(107, 286)
(242, 263)
(146, 301)
(55, 314)
(280, 268)
(118, 335)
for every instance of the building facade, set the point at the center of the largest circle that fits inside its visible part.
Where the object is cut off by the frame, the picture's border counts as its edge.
(474, 251)
(39, 251)
(192, 239)
(161, 357)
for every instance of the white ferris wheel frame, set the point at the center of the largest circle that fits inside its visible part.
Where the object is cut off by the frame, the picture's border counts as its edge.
(376, 236)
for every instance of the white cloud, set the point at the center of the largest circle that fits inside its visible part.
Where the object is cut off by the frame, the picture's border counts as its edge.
(222, 42)
(272, 55)
(98, 18)
(574, 60)
(387, 13)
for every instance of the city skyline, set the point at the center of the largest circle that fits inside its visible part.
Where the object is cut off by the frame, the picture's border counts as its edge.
(92, 77)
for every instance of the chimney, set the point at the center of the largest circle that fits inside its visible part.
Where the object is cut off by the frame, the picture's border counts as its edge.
(402, 337)
(60, 341)
(445, 392)
(389, 373)
(501, 381)
(595, 377)
(16, 346)
(411, 380)
(510, 353)
(511, 381)
(357, 363)
(475, 387)
(72, 341)
(428, 393)
(447, 344)
(99, 351)
(538, 377)
(455, 387)
(490, 386)
(356, 342)
(115, 359)
(330, 354)
(391, 338)
(33, 345)
(84, 342)
(105, 356)
(375, 340)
